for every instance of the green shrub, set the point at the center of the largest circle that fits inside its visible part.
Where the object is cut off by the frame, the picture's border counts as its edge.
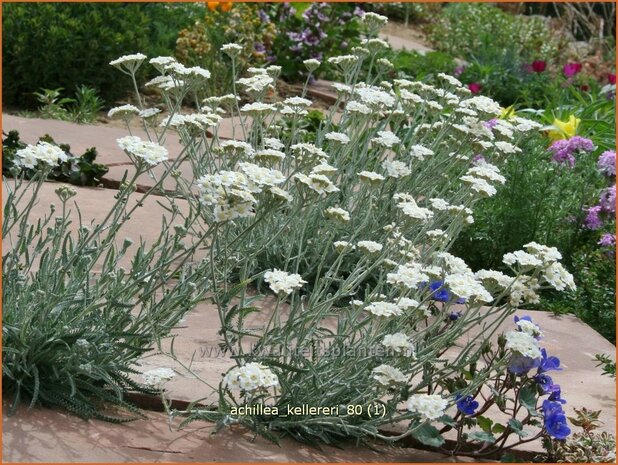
(418, 65)
(594, 301)
(464, 28)
(52, 45)
(542, 201)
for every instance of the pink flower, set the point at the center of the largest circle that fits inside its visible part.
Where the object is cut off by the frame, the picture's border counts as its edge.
(474, 87)
(571, 69)
(611, 78)
(538, 66)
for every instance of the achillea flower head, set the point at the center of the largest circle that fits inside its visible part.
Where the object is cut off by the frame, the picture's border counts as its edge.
(48, 154)
(158, 376)
(283, 283)
(430, 406)
(250, 377)
(388, 376)
(383, 309)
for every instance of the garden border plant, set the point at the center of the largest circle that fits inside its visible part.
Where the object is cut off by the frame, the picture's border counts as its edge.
(351, 234)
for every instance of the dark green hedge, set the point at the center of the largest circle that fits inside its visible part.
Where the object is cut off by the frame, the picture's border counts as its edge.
(68, 44)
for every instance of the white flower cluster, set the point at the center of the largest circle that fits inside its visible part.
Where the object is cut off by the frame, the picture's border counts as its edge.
(369, 247)
(123, 111)
(232, 192)
(383, 309)
(410, 208)
(44, 152)
(429, 406)
(388, 376)
(338, 213)
(529, 328)
(283, 283)
(151, 152)
(250, 377)
(523, 343)
(158, 376)
(399, 343)
(537, 256)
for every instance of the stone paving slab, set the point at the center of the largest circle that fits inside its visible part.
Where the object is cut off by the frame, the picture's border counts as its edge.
(44, 435)
(95, 203)
(82, 137)
(404, 43)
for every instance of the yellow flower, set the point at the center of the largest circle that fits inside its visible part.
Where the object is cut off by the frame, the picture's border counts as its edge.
(564, 129)
(507, 113)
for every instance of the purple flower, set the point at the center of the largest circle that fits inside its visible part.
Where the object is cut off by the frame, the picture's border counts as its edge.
(571, 69)
(607, 163)
(466, 405)
(454, 316)
(295, 36)
(478, 160)
(607, 240)
(491, 123)
(578, 143)
(593, 220)
(607, 201)
(263, 16)
(359, 12)
(555, 421)
(564, 149)
(259, 47)
(458, 71)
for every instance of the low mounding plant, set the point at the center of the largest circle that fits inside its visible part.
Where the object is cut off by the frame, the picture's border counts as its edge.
(341, 247)
(79, 170)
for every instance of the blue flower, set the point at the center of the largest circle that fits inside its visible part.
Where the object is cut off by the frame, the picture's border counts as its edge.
(546, 383)
(440, 293)
(454, 316)
(520, 364)
(554, 396)
(525, 317)
(548, 363)
(466, 405)
(555, 421)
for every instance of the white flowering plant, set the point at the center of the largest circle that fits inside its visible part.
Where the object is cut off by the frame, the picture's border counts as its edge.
(348, 237)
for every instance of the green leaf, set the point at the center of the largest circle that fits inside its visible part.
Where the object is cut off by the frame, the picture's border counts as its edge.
(498, 428)
(482, 436)
(485, 424)
(527, 398)
(428, 435)
(517, 427)
(445, 419)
